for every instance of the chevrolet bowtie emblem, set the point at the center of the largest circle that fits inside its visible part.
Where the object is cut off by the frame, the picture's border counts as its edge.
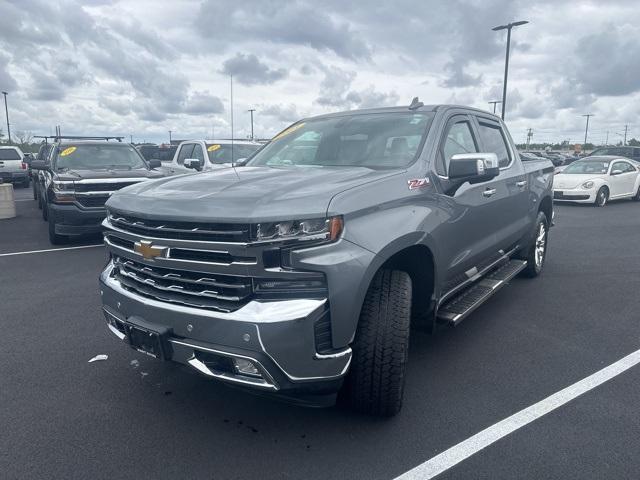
(148, 250)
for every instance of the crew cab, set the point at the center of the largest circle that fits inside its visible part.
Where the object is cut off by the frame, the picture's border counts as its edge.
(300, 273)
(77, 178)
(206, 155)
(13, 169)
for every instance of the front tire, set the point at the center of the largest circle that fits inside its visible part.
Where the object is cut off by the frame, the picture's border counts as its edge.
(636, 197)
(602, 197)
(54, 238)
(537, 252)
(375, 383)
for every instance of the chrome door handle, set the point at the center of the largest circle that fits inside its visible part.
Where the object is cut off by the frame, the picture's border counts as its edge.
(521, 184)
(489, 192)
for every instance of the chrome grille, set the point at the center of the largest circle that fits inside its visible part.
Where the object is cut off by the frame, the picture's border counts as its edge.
(217, 292)
(210, 232)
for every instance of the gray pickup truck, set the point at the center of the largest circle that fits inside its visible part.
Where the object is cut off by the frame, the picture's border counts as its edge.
(300, 273)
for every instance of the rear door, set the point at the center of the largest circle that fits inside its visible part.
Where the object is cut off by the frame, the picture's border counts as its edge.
(509, 217)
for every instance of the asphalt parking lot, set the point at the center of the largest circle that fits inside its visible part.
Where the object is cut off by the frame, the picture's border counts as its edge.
(134, 417)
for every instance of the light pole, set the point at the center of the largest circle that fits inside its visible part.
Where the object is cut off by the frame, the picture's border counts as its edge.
(586, 128)
(494, 103)
(169, 137)
(6, 111)
(508, 27)
(251, 110)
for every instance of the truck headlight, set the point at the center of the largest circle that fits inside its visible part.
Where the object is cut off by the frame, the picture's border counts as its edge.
(588, 185)
(321, 229)
(63, 192)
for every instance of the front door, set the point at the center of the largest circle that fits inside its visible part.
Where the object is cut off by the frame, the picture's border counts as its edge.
(622, 178)
(466, 238)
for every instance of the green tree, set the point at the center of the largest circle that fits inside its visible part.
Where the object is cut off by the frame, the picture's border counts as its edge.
(634, 143)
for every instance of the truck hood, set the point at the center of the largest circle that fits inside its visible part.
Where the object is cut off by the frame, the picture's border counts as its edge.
(101, 174)
(243, 194)
(572, 180)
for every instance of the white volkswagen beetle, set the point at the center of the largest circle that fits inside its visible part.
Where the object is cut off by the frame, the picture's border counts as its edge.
(597, 180)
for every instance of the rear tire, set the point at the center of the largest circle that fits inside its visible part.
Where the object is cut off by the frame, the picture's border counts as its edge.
(26, 183)
(45, 209)
(537, 251)
(375, 383)
(602, 197)
(35, 191)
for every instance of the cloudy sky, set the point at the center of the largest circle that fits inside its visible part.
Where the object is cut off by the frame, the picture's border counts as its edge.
(144, 67)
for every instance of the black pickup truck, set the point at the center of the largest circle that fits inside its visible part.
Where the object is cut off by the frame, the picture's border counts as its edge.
(300, 273)
(77, 177)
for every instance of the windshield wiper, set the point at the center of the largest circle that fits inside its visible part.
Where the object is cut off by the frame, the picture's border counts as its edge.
(113, 167)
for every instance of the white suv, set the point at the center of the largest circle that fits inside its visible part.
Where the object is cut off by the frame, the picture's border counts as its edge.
(12, 166)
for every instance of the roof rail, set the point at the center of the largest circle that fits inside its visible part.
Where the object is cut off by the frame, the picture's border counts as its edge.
(57, 138)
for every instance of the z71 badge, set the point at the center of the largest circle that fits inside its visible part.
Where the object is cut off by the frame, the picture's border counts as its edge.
(418, 183)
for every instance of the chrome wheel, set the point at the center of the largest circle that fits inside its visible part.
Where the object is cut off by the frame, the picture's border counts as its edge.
(541, 245)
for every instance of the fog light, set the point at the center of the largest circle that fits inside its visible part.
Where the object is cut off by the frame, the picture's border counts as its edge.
(246, 367)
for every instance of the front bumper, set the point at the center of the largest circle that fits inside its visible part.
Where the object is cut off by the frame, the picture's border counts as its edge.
(71, 220)
(579, 195)
(277, 336)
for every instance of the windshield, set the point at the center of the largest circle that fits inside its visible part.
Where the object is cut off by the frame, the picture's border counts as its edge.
(376, 140)
(222, 153)
(99, 157)
(588, 167)
(9, 154)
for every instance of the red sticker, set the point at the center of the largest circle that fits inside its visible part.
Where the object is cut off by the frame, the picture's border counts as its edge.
(418, 183)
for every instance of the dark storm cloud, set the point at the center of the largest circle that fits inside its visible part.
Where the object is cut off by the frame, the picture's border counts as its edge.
(290, 23)
(203, 103)
(608, 62)
(249, 70)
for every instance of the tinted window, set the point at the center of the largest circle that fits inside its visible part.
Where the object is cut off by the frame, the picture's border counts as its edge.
(9, 154)
(374, 140)
(493, 141)
(185, 152)
(623, 166)
(459, 139)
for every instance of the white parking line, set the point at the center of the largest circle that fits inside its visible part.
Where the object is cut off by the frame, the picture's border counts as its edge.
(463, 450)
(50, 250)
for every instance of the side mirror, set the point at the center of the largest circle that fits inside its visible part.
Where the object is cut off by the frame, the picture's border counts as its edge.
(192, 163)
(38, 165)
(241, 162)
(473, 167)
(616, 172)
(154, 163)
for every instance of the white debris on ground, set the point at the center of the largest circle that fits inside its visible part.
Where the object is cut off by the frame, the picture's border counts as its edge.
(98, 358)
(134, 363)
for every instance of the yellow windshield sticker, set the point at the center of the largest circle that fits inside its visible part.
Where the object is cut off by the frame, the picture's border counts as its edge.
(213, 148)
(288, 131)
(67, 151)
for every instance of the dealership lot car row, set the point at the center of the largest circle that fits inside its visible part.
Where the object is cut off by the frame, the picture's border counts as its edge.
(221, 270)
